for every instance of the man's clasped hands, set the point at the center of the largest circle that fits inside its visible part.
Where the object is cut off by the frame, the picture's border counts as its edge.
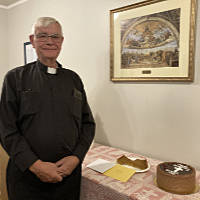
(54, 172)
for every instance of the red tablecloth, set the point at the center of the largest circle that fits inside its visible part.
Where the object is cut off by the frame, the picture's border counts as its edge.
(141, 186)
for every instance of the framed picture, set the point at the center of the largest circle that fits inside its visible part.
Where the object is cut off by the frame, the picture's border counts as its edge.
(153, 41)
(29, 53)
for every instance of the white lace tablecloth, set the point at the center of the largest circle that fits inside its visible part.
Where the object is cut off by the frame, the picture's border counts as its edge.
(141, 186)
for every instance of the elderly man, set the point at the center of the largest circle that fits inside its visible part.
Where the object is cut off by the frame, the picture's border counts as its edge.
(46, 125)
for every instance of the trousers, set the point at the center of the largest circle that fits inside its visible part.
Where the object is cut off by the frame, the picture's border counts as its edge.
(26, 185)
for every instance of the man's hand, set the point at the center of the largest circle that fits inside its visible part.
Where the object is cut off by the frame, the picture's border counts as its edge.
(46, 171)
(66, 165)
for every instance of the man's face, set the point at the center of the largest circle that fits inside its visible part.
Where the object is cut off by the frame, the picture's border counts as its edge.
(47, 41)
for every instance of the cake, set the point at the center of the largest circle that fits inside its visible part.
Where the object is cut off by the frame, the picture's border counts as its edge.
(138, 163)
(176, 177)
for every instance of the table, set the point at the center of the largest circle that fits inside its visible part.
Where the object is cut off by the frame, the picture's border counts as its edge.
(141, 186)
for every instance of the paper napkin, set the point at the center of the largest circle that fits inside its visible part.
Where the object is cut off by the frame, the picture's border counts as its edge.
(120, 173)
(101, 165)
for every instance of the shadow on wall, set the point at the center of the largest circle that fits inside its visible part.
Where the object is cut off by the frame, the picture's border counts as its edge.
(113, 128)
(3, 165)
(101, 135)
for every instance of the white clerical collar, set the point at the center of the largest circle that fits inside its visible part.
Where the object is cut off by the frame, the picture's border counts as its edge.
(51, 70)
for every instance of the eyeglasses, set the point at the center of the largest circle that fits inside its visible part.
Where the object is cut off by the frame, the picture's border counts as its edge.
(44, 37)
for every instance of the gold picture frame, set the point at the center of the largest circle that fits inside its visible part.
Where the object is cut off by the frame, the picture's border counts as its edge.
(153, 40)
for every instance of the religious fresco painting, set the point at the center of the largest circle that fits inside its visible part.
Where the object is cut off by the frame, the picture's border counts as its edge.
(151, 41)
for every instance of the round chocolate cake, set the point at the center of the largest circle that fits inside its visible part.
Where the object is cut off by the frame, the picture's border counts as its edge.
(176, 177)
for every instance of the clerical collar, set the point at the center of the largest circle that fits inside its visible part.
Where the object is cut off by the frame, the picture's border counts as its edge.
(49, 70)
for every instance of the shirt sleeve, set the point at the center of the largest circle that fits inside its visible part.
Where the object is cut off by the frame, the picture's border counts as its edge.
(87, 131)
(12, 140)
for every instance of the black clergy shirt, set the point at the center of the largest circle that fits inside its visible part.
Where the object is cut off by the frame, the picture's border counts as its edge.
(44, 116)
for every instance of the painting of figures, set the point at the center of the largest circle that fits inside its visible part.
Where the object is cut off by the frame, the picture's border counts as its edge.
(151, 41)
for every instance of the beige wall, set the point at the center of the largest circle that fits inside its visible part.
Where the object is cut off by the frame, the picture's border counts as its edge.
(3, 69)
(3, 43)
(154, 119)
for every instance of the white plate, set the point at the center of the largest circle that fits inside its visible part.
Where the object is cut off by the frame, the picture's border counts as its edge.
(137, 169)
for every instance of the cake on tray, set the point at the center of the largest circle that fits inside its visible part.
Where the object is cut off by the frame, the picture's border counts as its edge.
(176, 177)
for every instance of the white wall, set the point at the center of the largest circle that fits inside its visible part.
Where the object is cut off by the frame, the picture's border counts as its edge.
(3, 44)
(3, 69)
(154, 119)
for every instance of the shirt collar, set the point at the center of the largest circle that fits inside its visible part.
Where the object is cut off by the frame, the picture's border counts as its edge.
(44, 68)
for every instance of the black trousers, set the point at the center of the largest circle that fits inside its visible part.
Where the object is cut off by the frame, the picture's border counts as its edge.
(26, 186)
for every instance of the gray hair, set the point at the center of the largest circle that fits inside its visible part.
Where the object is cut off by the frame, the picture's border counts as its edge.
(44, 22)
